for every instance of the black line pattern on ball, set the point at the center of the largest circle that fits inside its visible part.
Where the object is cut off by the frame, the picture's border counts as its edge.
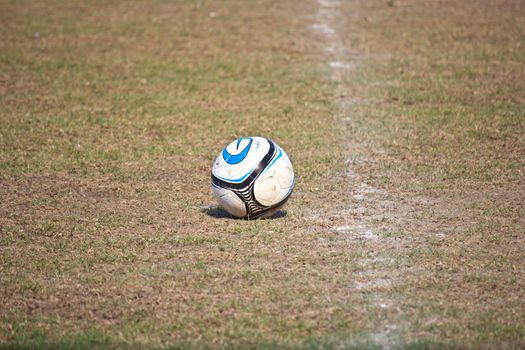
(245, 189)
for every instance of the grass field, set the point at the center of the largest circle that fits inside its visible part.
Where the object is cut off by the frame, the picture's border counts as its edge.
(405, 122)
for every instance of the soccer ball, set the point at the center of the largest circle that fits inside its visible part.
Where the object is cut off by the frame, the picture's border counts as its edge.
(252, 178)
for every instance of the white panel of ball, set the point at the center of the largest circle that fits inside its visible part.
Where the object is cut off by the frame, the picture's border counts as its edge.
(229, 201)
(275, 183)
(267, 191)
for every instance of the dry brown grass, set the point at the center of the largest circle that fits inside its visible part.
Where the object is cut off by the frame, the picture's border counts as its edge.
(113, 112)
(442, 87)
(110, 125)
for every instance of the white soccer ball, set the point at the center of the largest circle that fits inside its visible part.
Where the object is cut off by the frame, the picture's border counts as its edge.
(252, 178)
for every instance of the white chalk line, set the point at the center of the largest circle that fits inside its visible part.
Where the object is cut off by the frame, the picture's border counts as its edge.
(374, 279)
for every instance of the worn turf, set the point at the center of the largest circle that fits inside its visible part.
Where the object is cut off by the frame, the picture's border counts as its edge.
(405, 124)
